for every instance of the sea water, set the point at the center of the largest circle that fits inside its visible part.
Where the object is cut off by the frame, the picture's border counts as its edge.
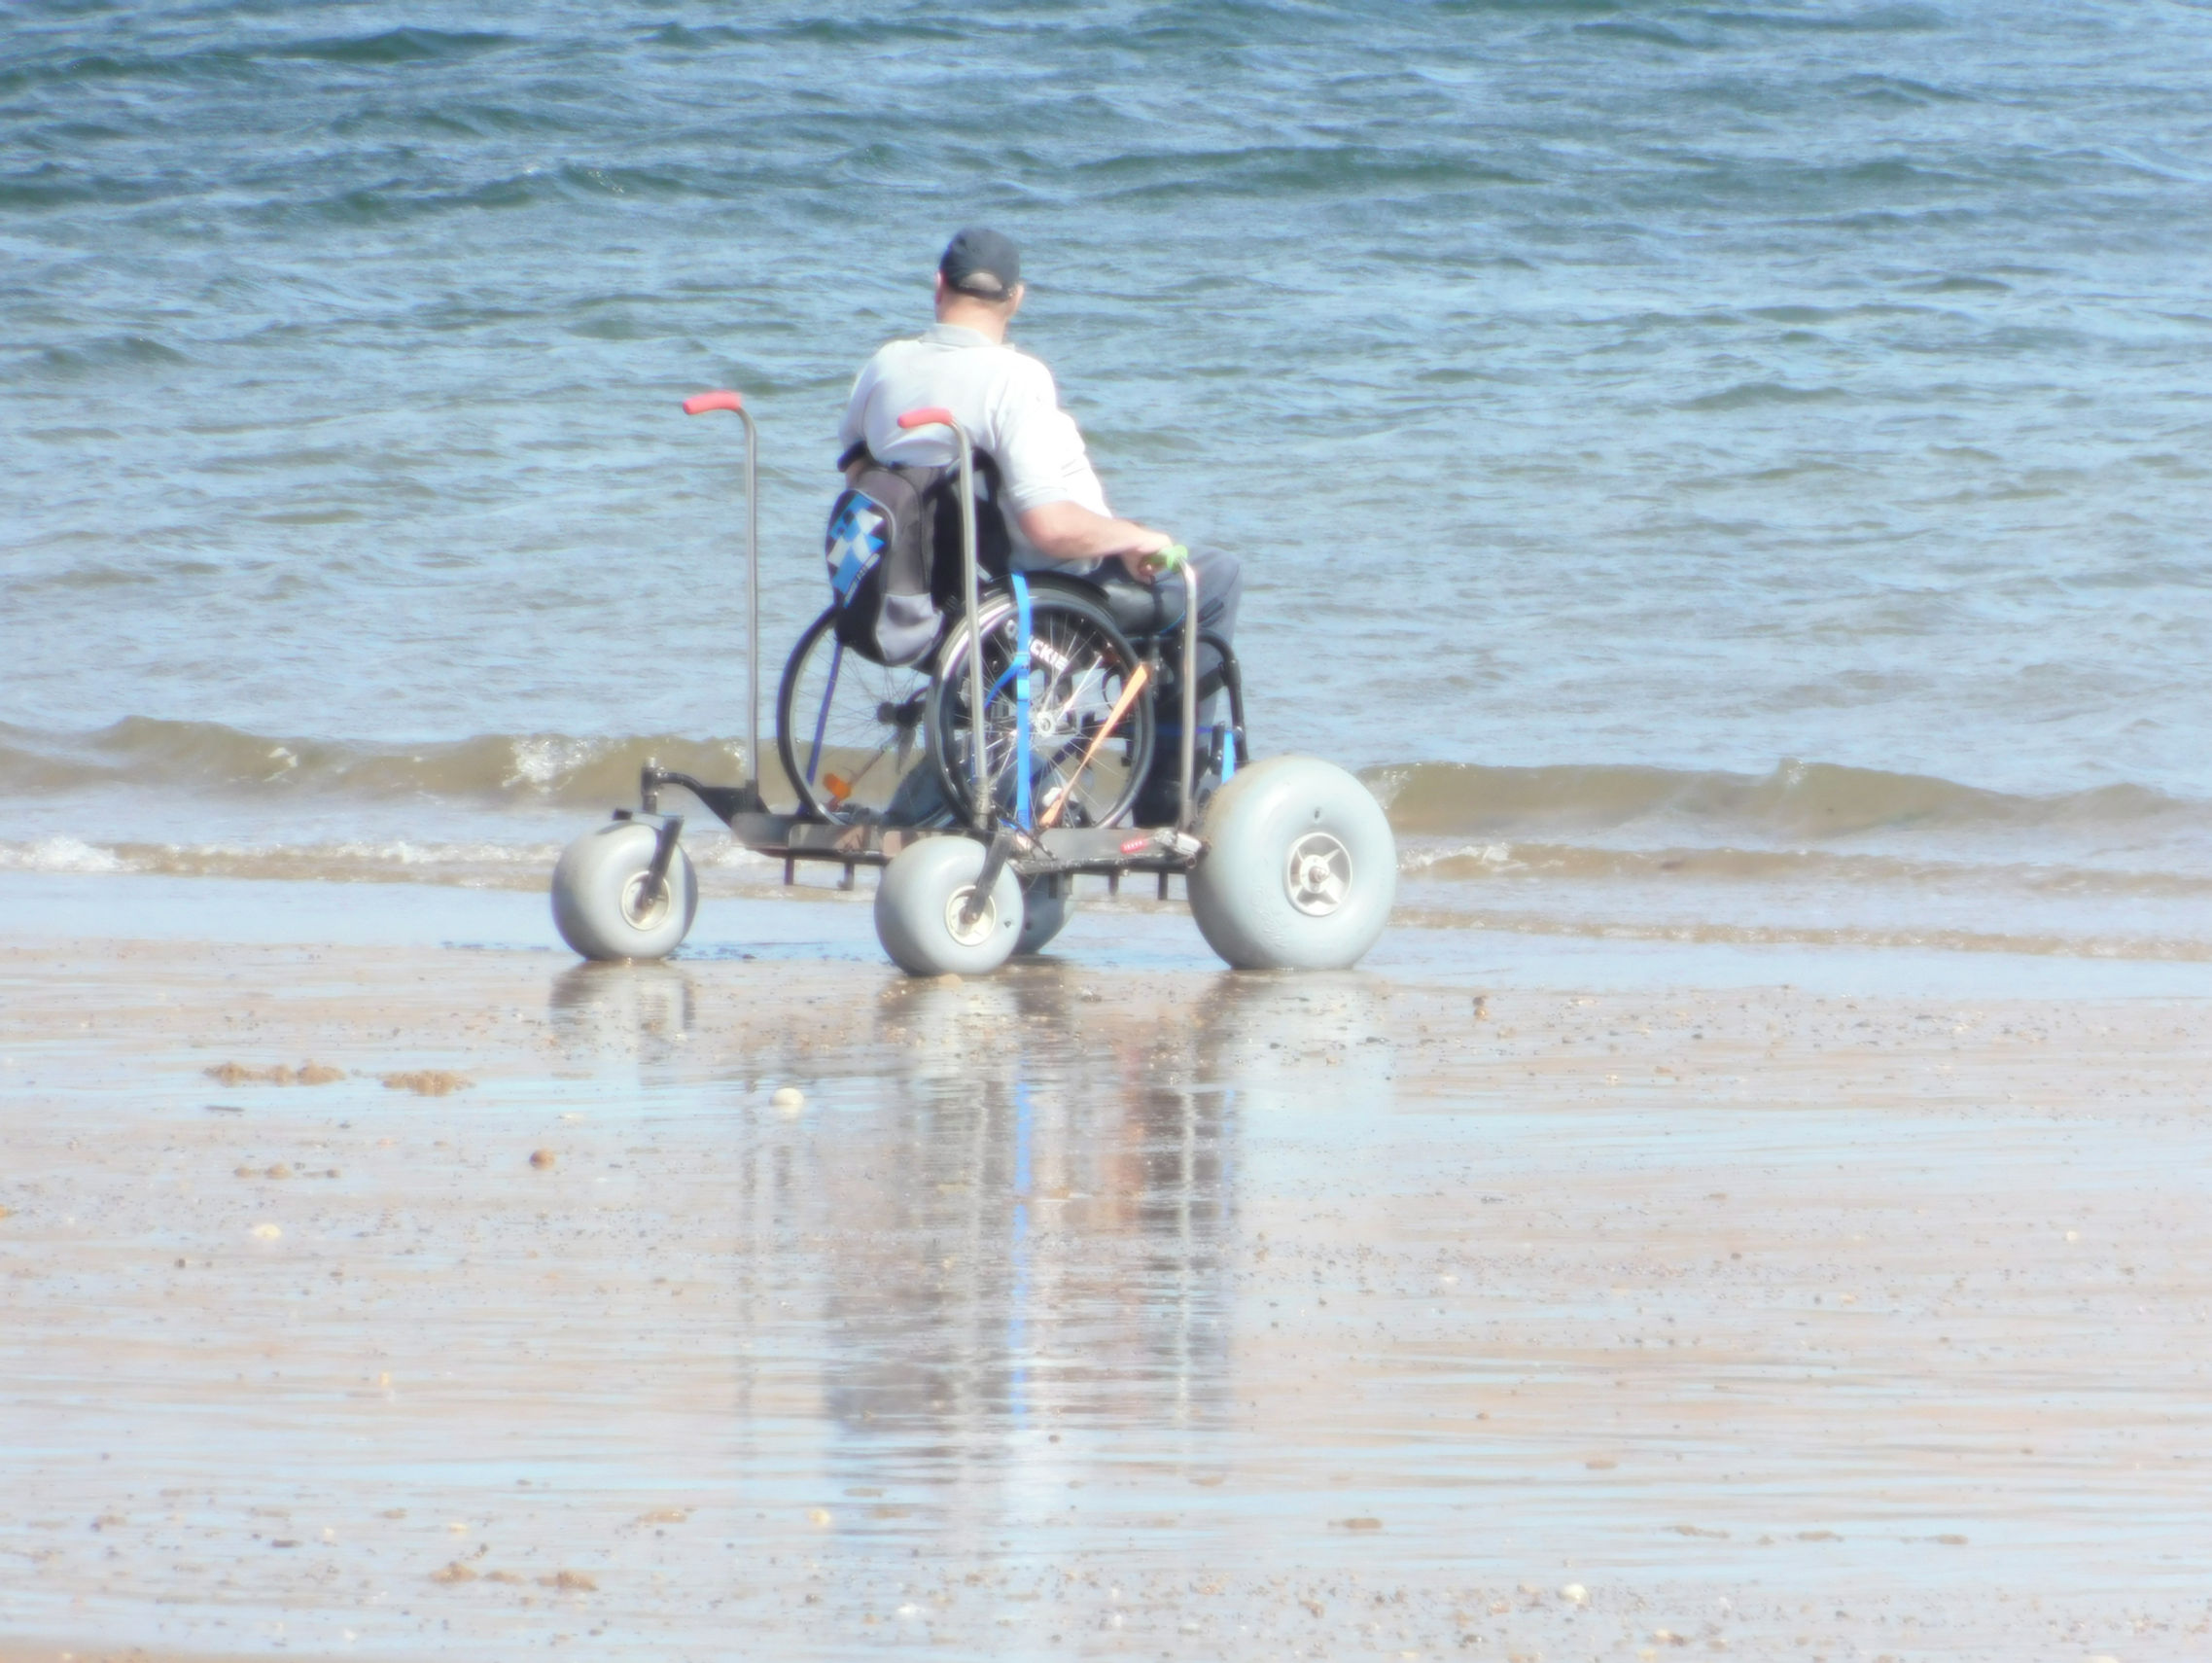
(1723, 472)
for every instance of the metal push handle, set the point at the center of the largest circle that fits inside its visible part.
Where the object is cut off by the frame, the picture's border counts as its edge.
(1189, 688)
(699, 403)
(938, 416)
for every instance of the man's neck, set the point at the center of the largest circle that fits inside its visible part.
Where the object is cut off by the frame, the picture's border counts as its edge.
(989, 322)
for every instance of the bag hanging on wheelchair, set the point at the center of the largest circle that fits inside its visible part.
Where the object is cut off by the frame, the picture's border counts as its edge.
(893, 551)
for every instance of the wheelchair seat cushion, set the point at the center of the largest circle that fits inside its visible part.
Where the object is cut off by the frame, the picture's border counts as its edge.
(1138, 609)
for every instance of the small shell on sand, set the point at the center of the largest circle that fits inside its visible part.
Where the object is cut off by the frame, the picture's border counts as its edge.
(789, 1100)
(265, 1232)
(541, 1158)
(1575, 1594)
(428, 1081)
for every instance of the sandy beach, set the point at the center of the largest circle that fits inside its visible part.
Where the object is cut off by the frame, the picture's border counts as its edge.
(402, 1300)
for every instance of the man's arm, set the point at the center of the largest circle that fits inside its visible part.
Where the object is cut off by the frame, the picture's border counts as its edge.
(1070, 531)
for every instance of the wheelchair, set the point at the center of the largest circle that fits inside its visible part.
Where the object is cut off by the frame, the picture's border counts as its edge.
(866, 743)
(1022, 751)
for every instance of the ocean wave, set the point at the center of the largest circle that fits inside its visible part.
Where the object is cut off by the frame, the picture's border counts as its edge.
(480, 864)
(1656, 814)
(210, 760)
(1796, 802)
(393, 859)
(410, 45)
(1289, 171)
(1568, 864)
(60, 854)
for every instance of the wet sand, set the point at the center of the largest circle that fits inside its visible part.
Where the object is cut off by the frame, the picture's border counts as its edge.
(1087, 1311)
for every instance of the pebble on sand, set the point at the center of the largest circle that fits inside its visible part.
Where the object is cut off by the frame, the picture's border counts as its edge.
(1575, 1594)
(818, 1516)
(789, 1100)
(265, 1232)
(541, 1158)
(306, 1073)
(428, 1081)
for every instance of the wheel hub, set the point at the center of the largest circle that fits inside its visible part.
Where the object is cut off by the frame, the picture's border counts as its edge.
(644, 902)
(969, 931)
(1318, 874)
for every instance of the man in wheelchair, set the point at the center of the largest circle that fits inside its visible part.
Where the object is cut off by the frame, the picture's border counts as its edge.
(1041, 507)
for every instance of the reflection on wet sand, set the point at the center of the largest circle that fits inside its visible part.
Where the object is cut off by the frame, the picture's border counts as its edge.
(1058, 1207)
(644, 1010)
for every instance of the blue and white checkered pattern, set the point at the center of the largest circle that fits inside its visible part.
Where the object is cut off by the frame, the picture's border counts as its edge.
(856, 543)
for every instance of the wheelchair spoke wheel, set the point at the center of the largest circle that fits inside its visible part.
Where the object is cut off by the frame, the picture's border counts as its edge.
(849, 734)
(1079, 667)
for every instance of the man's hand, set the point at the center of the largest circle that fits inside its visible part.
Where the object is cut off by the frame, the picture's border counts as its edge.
(1160, 563)
(1069, 531)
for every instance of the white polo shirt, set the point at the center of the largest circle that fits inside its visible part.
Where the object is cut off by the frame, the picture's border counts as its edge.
(1008, 404)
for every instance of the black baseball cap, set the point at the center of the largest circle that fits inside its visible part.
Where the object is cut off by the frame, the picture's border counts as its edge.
(979, 262)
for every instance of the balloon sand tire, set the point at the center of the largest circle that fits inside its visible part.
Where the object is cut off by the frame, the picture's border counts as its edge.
(601, 905)
(1300, 867)
(919, 909)
(1047, 903)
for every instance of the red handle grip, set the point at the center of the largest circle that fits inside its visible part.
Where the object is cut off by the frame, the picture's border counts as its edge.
(933, 416)
(699, 403)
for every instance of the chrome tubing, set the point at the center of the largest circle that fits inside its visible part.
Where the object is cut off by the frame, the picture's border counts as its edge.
(752, 599)
(1189, 690)
(722, 399)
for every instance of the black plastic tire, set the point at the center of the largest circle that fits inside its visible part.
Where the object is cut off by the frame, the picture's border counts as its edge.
(918, 902)
(1300, 867)
(859, 740)
(600, 904)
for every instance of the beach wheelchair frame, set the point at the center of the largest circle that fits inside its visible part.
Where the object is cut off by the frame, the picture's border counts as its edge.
(989, 775)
